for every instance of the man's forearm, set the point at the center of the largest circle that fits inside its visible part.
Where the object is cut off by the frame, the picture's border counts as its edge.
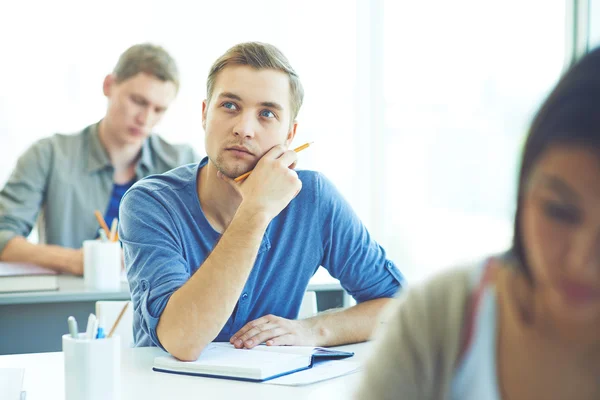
(62, 259)
(351, 325)
(197, 312)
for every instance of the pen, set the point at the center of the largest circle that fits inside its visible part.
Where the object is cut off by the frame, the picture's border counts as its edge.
(100, 334)
(92, 326)
(297, 150)
(95, 330)
(103, 237)
(73, 329)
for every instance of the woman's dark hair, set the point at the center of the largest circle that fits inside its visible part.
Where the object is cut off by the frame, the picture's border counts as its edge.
(569, 116)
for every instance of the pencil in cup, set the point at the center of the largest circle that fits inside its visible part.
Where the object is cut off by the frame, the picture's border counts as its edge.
(247, 174)
(114, 327)
(102, 223)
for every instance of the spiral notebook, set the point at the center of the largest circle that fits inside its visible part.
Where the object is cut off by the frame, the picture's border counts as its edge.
(262, 363)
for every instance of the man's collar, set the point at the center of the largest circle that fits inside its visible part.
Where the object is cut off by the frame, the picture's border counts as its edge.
(146, 157)
(97, 157)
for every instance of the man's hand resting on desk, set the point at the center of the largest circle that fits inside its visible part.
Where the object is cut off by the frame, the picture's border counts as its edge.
(274, 331)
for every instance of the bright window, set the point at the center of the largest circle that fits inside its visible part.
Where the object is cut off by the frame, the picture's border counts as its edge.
(462, 80)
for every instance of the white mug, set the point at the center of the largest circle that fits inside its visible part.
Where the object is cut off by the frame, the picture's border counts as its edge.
(92, 368)
(102, 265)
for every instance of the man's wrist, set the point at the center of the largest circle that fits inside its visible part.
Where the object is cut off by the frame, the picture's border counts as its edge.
(253, 217)
(72, 260)
(319, 333)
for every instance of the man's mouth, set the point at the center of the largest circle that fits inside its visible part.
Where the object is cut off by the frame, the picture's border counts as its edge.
(135, 131)
(239, 150)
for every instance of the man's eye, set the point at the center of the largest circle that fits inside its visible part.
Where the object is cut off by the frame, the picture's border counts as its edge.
(138, 101)
(267, 114)
(229, 105)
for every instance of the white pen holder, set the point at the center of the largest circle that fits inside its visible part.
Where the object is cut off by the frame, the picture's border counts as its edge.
(92, 368)
(102, 265)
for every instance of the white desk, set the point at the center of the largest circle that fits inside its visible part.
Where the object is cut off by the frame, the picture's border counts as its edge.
(44, 380)
(33, 322)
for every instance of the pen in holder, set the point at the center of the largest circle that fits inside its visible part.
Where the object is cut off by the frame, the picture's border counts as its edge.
(92, 367)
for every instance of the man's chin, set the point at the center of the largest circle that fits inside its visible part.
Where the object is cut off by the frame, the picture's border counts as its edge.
(134, 139)
(232, 174)
(231, 169)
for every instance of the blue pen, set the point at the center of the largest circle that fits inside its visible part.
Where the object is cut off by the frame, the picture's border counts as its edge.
(101, 334)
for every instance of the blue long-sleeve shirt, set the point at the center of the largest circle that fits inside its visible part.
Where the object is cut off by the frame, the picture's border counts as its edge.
(166, 238)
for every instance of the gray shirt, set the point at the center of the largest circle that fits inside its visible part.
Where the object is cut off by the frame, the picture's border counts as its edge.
(61, 180)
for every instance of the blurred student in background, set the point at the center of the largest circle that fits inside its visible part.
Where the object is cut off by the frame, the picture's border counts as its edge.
(525, 325)
(61, 180)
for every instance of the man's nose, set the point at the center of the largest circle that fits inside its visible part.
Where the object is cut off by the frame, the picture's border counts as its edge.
(245, 125)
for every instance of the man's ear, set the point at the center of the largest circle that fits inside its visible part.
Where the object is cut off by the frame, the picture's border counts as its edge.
(107, 85)
(204, 108)
(291, 134)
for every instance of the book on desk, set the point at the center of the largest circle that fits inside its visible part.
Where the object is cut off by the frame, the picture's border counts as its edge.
(21, 277)
(260, 364)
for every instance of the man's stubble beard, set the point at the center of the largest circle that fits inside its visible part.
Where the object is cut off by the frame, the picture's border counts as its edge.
(232, 173)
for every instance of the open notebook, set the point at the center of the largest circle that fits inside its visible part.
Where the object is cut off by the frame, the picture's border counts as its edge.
(262, 363)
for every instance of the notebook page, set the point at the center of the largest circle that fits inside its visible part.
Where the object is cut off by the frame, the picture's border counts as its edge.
(302, 350)
(305, 350)
(222, 358)
(319, 372)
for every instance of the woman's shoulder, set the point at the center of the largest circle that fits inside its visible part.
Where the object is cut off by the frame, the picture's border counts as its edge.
(433, 306)
(452, 281)
(421, 337)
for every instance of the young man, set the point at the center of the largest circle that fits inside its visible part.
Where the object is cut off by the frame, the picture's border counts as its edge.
(212, 259)
(68, 177)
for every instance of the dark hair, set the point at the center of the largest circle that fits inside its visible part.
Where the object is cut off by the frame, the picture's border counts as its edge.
(569, 116)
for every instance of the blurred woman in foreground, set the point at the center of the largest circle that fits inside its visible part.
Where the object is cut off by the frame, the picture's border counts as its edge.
(525, 325)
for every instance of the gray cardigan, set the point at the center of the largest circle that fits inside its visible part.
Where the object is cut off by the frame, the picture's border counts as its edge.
(417, 349)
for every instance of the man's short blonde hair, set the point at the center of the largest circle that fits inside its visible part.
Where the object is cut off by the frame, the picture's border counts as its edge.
(149, 59)
(259, 56)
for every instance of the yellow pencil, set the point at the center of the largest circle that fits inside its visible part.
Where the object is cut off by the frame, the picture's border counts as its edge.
(114, 327)
(297, 150)
(102, 223)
